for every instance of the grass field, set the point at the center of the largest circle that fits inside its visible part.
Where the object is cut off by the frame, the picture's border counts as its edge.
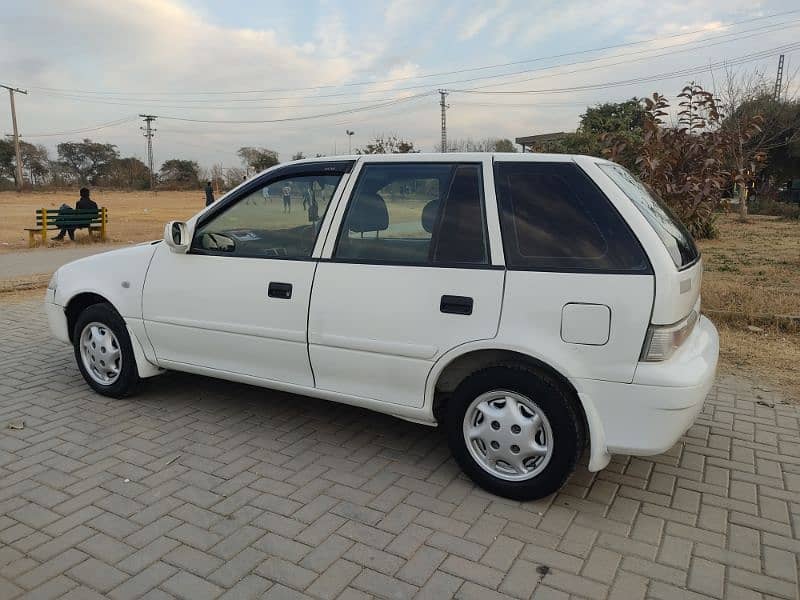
(133, 216)
(752, 270)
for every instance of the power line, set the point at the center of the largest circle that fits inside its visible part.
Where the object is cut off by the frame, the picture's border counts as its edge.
(299, 118)
(613, 64)
(645, 79)
(431, 75)
(18, 154)
(114, 123)
(647, 55)
(477, 90)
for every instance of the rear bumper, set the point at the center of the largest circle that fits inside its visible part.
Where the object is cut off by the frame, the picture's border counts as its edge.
(649, 415)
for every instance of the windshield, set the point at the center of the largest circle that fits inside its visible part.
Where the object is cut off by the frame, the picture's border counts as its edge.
(673, 234)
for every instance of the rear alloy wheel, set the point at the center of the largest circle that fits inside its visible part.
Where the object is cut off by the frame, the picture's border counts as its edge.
(514, 432)
(103, 351)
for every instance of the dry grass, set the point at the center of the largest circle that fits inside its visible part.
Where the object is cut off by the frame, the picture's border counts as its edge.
(753, 268)
(771, 356)
(752, 273)
(132, 216)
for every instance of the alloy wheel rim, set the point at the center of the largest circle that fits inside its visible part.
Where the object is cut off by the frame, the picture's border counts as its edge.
(508, 435)
(100, 353)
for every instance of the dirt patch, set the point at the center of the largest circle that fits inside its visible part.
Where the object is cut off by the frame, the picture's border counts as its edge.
(770, 356)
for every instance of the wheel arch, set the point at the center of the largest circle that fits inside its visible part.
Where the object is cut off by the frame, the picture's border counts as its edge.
(455, 366)
(77, 304)
(83, 300)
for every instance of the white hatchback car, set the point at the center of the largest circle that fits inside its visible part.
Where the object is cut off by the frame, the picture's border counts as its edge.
(531, 304)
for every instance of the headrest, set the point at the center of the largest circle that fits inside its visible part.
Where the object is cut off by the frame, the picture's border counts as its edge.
(368, 214)
(429, 213)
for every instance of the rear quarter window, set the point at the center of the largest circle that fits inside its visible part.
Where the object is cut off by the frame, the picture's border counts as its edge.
(677, 240)
(554, 218)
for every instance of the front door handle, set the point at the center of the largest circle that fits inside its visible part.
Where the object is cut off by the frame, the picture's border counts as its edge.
(456, 305)
(280, 290)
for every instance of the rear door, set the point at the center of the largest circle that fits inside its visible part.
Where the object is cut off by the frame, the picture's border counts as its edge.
(407, 278)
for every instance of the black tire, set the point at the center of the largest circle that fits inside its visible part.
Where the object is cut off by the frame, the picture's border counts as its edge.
(128, 378)
(552, 399)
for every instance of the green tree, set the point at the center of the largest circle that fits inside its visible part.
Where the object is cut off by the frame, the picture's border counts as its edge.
(387, 144)
(485, 145)
(178, 173)
(7, 160)
(614, 117)
(258, 159)
(85, 161)
(35, 161)
(504, 145)
(127, 173)
(778, 138)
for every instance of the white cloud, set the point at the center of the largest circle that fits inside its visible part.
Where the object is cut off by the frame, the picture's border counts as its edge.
(153, 47)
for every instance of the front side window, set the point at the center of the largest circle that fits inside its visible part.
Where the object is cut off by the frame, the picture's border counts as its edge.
(554, 218)
(416, 214)
(670, 230)
(280, 220)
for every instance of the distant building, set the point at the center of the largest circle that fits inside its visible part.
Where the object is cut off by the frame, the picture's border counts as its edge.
(532, 143)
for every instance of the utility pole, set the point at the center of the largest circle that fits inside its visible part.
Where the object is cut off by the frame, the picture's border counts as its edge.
(16, 132)
(149, 132)
(444, 106)
(779, 80)
(349, 141)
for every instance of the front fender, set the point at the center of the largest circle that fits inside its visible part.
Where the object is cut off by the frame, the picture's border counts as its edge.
(118, 276)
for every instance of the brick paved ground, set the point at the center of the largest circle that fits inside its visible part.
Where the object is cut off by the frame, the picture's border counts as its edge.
(203, 489)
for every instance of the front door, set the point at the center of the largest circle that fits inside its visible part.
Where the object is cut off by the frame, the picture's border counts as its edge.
(237, 302)
(409, 278)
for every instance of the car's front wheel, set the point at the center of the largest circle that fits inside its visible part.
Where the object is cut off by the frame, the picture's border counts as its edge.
(103, 351)
(514, 431)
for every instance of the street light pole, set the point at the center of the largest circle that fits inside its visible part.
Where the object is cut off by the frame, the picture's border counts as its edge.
(349, 141)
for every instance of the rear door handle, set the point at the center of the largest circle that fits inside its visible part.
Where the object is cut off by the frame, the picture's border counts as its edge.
(456, 305)
(280, 290)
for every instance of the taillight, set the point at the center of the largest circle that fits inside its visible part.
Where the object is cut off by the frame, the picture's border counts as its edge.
(662, 340)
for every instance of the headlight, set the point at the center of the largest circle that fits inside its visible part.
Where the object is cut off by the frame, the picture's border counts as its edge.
(53, 282)
(662, 340)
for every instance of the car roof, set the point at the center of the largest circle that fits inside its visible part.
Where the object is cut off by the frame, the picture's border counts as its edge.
(446, 157)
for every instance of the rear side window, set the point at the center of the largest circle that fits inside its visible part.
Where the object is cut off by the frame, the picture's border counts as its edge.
(417, 214)
(673, 234)
(554, 218)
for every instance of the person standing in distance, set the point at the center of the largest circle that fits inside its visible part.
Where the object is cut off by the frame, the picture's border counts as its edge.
(209, 194)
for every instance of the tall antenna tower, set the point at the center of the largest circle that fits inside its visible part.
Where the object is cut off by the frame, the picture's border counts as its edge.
(443, 94)
(779, 80)
(149, 132)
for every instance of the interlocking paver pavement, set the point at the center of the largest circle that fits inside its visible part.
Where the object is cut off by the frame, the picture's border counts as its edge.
(198, 488)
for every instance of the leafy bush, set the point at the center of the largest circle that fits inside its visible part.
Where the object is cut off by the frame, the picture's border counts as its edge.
(689, 164)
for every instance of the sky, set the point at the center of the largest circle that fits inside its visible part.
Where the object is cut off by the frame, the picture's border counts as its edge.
(295, 76)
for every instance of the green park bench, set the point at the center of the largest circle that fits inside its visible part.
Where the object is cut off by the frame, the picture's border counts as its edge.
(46, 219)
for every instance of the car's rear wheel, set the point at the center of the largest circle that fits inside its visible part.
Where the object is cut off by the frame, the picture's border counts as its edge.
(103, 351)
(514, 431)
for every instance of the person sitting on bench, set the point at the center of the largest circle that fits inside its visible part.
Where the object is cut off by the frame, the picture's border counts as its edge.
(84, 203)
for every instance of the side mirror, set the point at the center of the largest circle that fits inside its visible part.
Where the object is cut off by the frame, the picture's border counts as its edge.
(176, 236)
